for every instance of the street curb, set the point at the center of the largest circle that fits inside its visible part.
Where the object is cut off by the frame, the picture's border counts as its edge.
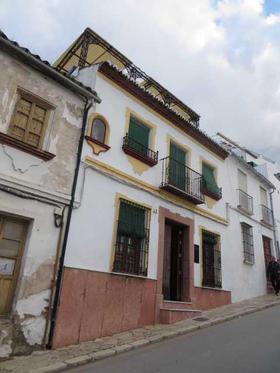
(161, 336)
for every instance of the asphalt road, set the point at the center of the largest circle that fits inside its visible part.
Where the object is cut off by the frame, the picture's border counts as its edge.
(250, 344)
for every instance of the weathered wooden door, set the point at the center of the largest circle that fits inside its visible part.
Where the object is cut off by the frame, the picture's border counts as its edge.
(12, 238)
(267, 250)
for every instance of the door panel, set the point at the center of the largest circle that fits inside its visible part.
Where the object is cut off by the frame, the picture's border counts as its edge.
(12, 237)
(267, 250)
(177, 167)
(173, 262)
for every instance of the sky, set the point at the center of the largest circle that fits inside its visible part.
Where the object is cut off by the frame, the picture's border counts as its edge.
(221, 57)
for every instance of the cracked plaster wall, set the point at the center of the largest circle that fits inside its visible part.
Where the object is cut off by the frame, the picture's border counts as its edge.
(62, 132)
(55, 176)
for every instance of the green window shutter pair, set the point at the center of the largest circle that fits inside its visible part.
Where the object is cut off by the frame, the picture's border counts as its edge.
(209, 179)
(132, 220)
(139, 135)
(177, 167)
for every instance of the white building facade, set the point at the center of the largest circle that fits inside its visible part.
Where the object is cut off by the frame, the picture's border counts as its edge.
(41, 115)
(153, 237)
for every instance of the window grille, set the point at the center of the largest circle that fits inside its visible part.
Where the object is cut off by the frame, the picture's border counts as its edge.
(212, 274)
(132, 243)
(248, 245)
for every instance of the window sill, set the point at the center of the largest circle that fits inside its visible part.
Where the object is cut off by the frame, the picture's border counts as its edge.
(91, 139)
(265, 224)
(248, 262)
(212, 288)
(212, 195)
(17, 144)
(249, 213)
(133, 153)
(129, 275)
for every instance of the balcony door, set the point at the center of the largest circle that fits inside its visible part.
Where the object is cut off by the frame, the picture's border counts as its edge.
(139, 136)
(177, 167)
(12, 237)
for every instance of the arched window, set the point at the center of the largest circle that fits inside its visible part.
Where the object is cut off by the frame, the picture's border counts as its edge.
(98, 130)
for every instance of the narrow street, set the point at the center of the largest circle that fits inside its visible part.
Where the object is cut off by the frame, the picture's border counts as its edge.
(250, 344)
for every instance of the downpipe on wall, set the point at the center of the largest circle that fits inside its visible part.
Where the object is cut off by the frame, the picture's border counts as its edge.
(58, 282)
(276, 248)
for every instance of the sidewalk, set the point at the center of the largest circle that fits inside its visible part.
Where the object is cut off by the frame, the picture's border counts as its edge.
(57, 360)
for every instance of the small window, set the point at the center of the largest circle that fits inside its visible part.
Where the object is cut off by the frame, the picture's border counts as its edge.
(98, 131)
(132, 243)
(248, 245)
(209, 180)
(30, 119)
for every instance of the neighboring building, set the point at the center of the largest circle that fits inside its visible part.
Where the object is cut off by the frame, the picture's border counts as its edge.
(154, 238)
(41, 114)
(250, 231)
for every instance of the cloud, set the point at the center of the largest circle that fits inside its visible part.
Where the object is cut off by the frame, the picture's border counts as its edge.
(221, 57)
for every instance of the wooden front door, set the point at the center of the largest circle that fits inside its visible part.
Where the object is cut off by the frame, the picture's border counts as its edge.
(267, 250)
(12, 238)
(173, 262)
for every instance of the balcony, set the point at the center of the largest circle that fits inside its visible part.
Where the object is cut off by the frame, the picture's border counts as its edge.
(245, 202)
(211, 192)
(181, 180)
(139, 151)
(266, 215)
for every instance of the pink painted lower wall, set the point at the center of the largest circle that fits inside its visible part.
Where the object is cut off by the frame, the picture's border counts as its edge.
(95, 304)
(205, 299)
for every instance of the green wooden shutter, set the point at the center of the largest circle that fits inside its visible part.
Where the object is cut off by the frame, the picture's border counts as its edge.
(139, 135)
(131, 220)
(209, 179)
(177, 167)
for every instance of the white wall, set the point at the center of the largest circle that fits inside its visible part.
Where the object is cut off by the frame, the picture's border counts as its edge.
(91, 234)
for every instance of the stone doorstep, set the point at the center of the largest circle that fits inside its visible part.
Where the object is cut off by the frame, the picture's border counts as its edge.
(165, 333)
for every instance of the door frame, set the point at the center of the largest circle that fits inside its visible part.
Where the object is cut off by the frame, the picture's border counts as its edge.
(18, 265)
(166, 215)
(180, 259)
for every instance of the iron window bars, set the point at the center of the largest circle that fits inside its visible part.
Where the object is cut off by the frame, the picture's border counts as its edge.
(180, 179)
(132, 242)
(139, 151)
(245, 202)
(266, 215)
(248, 243)
(212, 273)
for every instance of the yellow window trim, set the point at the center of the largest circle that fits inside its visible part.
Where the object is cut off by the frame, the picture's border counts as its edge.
(138, 166)
(187, 149)
(118, 198)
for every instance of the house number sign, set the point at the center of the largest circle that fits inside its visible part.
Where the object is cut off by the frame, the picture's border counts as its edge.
(7, 266)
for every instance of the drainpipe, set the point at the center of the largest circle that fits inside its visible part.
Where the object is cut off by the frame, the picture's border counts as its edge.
(274, 225)
(55, 305)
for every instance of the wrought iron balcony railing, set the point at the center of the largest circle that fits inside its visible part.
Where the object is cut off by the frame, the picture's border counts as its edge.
(217, 195)
(179, 179)
(245, 202)
(137, 150)
(266, 215)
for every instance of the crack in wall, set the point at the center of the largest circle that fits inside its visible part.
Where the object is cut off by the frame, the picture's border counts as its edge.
(15, 168)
